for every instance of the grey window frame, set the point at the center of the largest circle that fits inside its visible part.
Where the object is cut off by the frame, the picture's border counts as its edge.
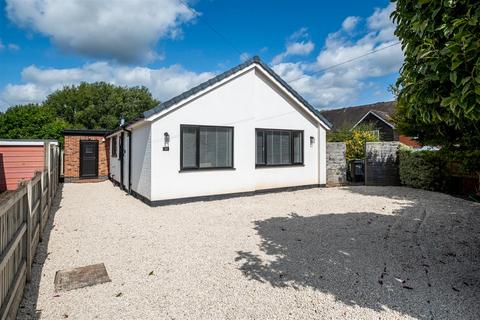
(197, 151)
(292, 148)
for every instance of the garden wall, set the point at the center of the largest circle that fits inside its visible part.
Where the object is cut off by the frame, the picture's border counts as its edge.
(381, 164)
(336, 164)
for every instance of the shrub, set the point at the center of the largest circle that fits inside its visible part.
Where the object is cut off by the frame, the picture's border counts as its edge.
(356, 144)
(354, 139)
(422, 169)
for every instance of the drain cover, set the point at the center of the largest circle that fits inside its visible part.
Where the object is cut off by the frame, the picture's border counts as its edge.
(71, 279)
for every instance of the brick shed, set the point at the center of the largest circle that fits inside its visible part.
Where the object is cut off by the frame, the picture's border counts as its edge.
(86, 155)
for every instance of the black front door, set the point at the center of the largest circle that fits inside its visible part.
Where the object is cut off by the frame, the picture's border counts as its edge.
(88, 159)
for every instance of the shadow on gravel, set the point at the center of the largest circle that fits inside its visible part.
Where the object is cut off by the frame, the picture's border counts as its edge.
(423, 261)
(28, 306)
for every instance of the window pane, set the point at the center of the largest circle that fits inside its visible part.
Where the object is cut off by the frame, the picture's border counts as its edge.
(260, 155)
(215, 147)
(285, 148)
(278, 147)
(189, 147)
(114, 146)
(297, 147)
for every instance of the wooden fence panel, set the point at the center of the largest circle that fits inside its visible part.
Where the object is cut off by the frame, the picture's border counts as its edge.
(23, 216)
(13, 228)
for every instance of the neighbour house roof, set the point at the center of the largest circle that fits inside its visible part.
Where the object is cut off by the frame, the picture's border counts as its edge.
(169, 103)
(383, 116)
(347, 118)
(26, 142)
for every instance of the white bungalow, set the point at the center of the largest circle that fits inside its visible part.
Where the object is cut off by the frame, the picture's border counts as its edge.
(242, 132)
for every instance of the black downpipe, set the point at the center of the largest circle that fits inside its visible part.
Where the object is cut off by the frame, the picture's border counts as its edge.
(121, 158)
(129, 160)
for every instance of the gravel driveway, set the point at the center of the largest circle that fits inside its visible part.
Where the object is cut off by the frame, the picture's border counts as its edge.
(351, 253)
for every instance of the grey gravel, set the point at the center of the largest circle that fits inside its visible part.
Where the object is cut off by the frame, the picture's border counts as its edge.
(351, 253)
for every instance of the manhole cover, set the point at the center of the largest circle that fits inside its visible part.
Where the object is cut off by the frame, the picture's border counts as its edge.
(71, 279)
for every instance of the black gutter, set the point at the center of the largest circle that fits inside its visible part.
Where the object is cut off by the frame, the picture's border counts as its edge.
(85, 132)
(121, 158)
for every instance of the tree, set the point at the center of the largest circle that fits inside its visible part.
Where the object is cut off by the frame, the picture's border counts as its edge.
(99, 105)
(439, 84)
(30, 121)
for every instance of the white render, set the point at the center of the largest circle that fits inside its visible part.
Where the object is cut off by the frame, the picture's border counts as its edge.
(246, 100)
(114, 164)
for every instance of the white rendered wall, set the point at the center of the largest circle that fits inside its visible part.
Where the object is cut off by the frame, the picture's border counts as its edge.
(115, 161)
(249, 101)
(125, 160)
(141, 161)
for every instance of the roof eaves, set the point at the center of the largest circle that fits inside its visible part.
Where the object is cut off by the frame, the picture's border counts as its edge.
(295, 94)
(167, 104)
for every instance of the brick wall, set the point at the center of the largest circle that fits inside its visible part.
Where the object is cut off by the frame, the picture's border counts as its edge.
(336, 164)
(72, 156)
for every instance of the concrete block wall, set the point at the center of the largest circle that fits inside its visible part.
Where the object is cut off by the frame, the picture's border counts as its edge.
(336, 164)
(72, 157)
(381, 164)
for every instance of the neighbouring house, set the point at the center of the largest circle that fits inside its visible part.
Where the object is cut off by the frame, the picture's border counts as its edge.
(244, 131)
(86, 155)
(379, 114)
(20, 159)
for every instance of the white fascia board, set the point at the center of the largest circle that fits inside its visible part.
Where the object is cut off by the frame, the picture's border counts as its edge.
(200, 93)
(21, 143)
(231, 77)
(291, 96)
(113, 134)
(136, 124)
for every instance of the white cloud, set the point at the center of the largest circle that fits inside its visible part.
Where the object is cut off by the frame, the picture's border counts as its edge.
(125, 31)
(164, 83)
(13, 47)
(350, 23)
(244, 56)
(341, 85)
(10, 46)
(300, 48)
(296, 45)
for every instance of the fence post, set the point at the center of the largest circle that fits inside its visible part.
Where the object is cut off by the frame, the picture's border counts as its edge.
(40, 212)
(29, 230)
(49, 178)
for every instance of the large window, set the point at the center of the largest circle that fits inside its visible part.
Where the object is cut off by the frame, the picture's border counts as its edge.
(206, 147)
(114, 146)
(278, 147)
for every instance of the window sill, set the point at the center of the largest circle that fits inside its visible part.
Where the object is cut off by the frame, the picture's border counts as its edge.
(266, 166)
(206, 169)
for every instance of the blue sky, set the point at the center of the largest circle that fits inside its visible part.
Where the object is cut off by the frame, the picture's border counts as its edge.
(46, 44)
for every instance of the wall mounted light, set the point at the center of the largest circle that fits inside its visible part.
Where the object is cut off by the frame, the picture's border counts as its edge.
(312, 140)
(166, 141)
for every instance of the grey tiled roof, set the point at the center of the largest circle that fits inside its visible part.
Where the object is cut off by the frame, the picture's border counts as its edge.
(345, 118)
(167, 104)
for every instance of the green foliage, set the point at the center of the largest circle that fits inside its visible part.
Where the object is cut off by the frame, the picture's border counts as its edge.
(354, 140)
(31, 121)
(338, 136)
(87, 106)
(439, 84)
(99, 105)
(356, 144)
(422, 169)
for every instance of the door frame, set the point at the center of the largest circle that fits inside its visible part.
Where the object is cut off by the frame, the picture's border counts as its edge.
(95, 142)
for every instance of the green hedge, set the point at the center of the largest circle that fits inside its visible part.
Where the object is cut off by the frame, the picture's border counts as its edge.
(422, 169)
